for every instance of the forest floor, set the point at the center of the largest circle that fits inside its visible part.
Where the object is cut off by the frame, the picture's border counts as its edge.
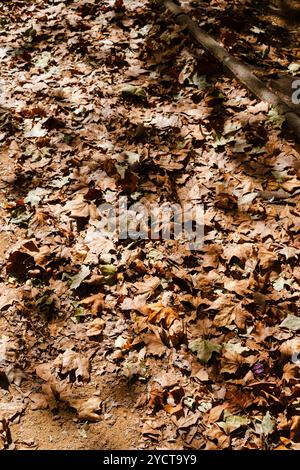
(133, 344)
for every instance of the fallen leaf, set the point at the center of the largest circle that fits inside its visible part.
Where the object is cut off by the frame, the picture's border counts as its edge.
(9, 295)
(268, 424)
(87, 409)
(71, 361)
(78, 278)
(291, 322)
(204, 349)
(95, 328)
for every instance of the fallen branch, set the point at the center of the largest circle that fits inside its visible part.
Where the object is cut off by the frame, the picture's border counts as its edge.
(240, 70)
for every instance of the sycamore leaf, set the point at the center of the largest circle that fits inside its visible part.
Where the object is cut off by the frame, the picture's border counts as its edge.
(291, 322)
(35, 196)
(235, 347)
(232, 422)
(60, 182)
(158, 313)
(268, 424)
(220, 140)
(204, 349)
(275, 118)
(78, 278)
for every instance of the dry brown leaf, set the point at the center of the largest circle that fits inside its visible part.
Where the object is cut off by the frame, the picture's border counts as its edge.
(87, 409)
(241, 251)
(149, 284)
(95, 328)
(266, 257)
(241, 286)
(39, 401)
(295, 429)
(137, 303)
(71, 361)
(10, 410)
(4, 433)
(216, 434)
(231, 361)
(96, 303)
(154, 346)
(216, 412)
(290, 372)
(9, 295)
(158, 313)
(290, 347)
(211, 256)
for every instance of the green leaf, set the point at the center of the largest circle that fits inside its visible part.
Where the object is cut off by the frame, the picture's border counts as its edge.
(30, 34)
(204, 349)
(268, 424)
(265, 52)
(132, 91)
(199, 81)
(232, 422)
(109, 272)
(78, 278)
(275, 118)
(291, 322)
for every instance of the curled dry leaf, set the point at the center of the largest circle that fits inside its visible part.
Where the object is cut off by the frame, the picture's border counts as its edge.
(95, 328)
(39, 401)
(96, 303)
(171, 328)
(289, 348)
(158, 313)
(87, 409)
(71, 361)
(9, 295)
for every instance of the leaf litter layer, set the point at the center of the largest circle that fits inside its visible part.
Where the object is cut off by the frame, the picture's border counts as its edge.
(144, 342)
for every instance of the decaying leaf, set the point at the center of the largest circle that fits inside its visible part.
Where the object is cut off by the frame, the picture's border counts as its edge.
(87, 409)
(9, 295)
(204, 349)
(78, 278)
(171, 327)
(291, 322)
(95, 328)
(71, 361)
(232, 422)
